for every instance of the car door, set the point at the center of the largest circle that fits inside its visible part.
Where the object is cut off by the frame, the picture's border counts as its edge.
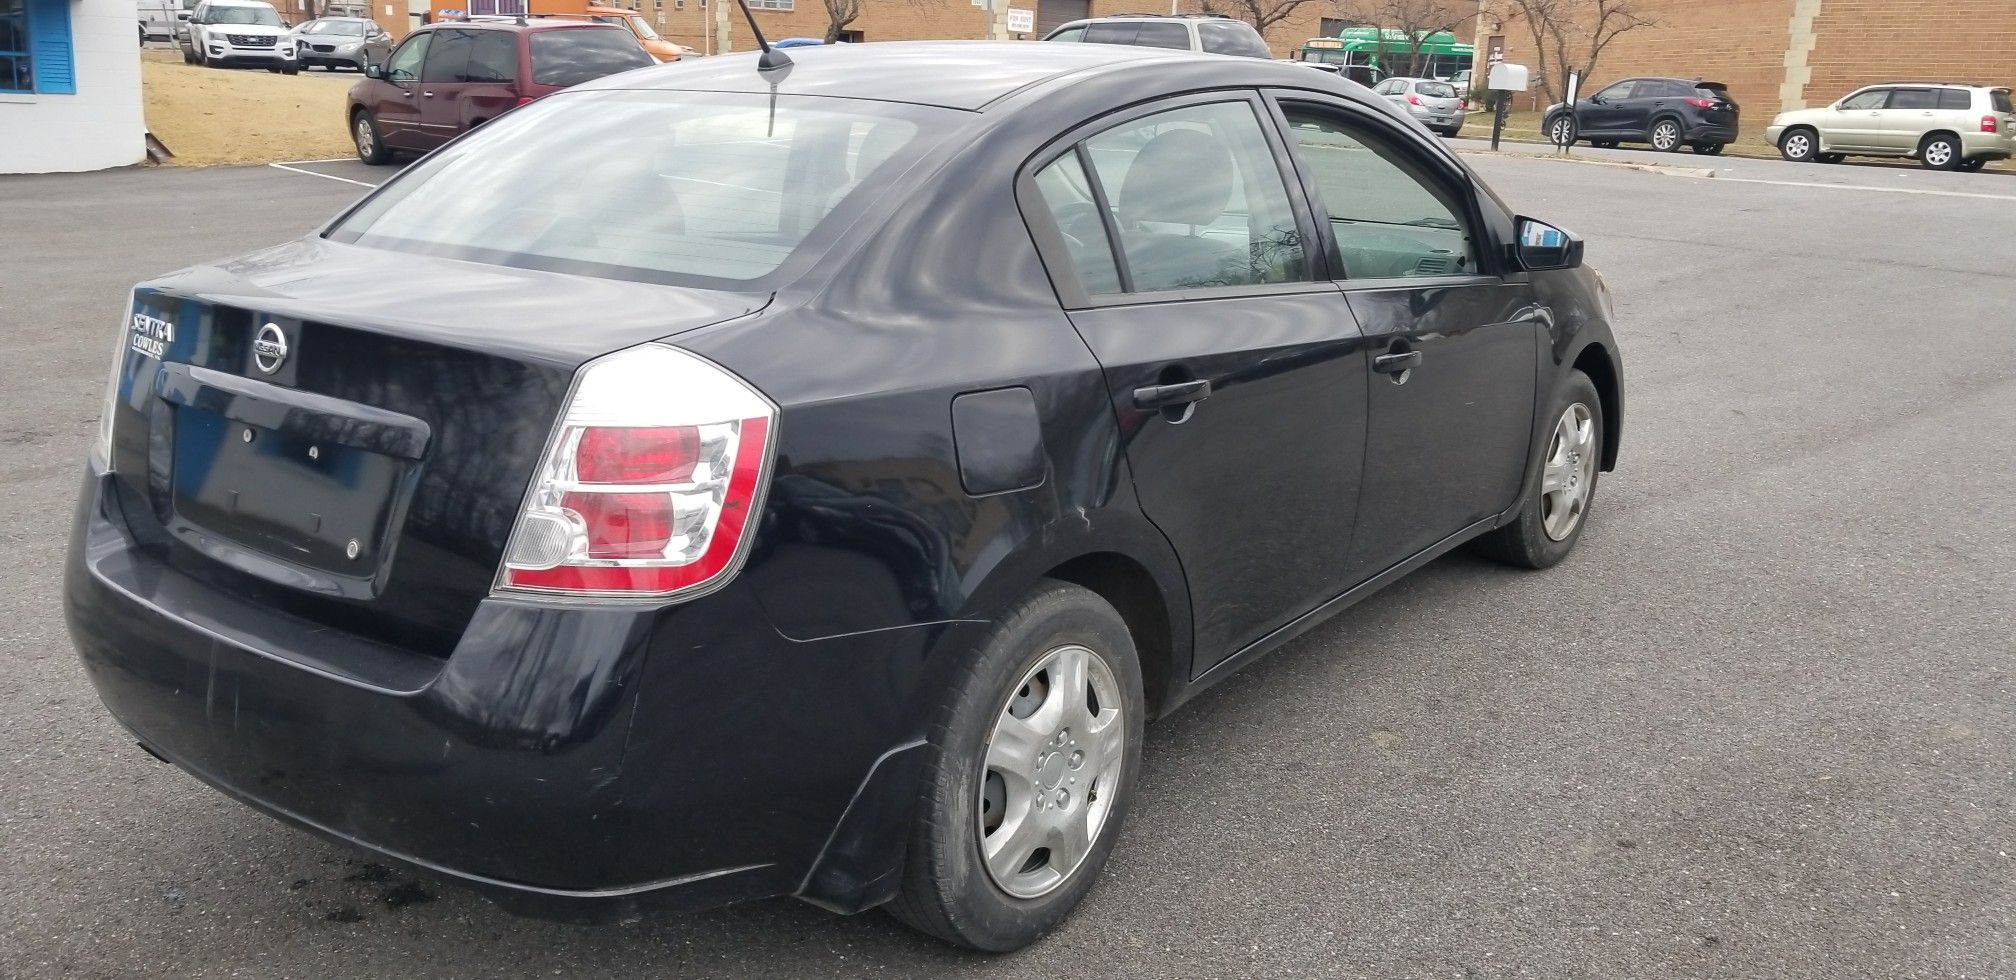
(442, 83)
(398, 100)
(1911, 114)
(1856, 122)
(1602, 114)
(1454, 344)
(1235, 370)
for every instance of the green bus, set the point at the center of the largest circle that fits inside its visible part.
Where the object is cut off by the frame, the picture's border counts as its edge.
(1369, 54)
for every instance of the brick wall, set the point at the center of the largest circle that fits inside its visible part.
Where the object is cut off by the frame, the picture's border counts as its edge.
(1861, 42)
(880, 20)
(1740, 43)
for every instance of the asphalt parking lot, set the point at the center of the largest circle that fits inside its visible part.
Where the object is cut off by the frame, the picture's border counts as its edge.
(1760, 725)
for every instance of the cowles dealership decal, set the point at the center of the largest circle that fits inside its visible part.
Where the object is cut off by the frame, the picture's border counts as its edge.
(151, 336)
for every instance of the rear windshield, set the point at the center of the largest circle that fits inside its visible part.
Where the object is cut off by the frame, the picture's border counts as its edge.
(350, 27)
(2001, 98)
(1436, 90)
(679, 187)
(576, 55)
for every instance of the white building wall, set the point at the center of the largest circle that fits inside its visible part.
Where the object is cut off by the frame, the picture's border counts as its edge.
(102, 125)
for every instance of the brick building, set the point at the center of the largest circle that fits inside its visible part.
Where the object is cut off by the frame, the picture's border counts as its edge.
(1788, 54)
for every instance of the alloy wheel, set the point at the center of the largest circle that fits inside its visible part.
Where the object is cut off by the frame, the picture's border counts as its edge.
(1938, 153)
(1666, 136)
(1053, 764)
(1569, 475)
(366, 140)
(1798, 146)
(1561, 133)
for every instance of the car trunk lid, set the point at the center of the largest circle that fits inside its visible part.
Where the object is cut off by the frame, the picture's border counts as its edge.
(347, 433)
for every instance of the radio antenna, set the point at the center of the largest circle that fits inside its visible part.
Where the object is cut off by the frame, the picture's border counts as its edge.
(772, 59)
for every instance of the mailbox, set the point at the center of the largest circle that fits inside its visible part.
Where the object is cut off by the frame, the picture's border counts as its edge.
(1508, 78)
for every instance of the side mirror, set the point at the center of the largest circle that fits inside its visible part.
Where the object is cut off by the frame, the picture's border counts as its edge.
(373, 71)
(1543, 247)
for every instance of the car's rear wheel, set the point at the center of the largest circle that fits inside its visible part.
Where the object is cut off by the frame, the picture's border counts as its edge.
(370, 143)
(1831, 157)
(1940, 152)
(1031, 765)
(188, 56)
(1974, 165)
(1708, 149)
(1799, 145)
(1604, 144)
(1564, 482)
(1665, 136)
(1561, 130)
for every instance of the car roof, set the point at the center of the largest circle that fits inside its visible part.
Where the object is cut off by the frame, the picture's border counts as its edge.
(512, 24)
(952, 74)
(239, 3)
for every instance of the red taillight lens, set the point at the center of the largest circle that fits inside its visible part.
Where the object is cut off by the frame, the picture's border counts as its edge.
(1463, 105)
(663, 454)
(524, 100)
(1413, 100)
(1702, 103)
(1990, 124)
(650, 483)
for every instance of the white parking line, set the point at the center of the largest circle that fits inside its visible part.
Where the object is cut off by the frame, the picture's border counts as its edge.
(311, 173)
(1721, 179)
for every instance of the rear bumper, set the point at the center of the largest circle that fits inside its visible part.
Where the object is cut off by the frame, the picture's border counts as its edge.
(1987, 146)
(1706, 132)
(569, 762)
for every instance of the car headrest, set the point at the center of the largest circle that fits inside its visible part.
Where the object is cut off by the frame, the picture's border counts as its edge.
(1181, 177)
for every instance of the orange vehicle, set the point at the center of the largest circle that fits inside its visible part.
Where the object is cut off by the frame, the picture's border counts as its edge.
(623, 17)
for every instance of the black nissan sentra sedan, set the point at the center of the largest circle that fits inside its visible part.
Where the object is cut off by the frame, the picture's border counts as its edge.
(708, 484)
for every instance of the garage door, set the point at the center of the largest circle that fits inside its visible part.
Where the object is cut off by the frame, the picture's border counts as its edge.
(1052, 14)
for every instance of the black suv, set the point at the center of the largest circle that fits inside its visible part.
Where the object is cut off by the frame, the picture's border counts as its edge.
(1668, 113)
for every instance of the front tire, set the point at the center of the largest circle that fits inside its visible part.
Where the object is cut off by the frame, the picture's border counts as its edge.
(370, 143)
(1564, 482)
(1030, 768)
(1665, 136)
(1940, 153)
(1799, 145)
(1561, 130)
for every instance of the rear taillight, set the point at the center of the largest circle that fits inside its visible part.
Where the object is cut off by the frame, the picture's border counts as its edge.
(1463, 105)
(1702, 103)
(1413, 99)
(650, 484)
(524, 100)
(1990, 124)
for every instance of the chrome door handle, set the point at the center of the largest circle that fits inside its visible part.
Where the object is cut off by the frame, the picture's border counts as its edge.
(1399, 362)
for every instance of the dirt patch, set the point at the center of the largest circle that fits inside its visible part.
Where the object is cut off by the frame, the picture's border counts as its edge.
(209, 116)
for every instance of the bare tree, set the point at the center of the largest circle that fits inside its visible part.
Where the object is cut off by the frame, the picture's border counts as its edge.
(1262, 14)
(839, 14)
(1575, 33)
(1405, 27)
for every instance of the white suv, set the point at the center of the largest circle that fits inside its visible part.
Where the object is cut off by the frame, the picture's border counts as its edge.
(1943, 126)
(1206, 33)
(238, 32)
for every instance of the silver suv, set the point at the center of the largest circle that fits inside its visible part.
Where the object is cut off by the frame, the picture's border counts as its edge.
(1945, 126)
(1208, 33)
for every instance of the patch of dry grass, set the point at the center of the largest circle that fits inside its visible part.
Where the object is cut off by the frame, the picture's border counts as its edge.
(210, 116)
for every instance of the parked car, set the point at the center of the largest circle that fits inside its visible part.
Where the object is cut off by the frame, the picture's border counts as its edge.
(1944, 127)
(446, 79)
(223, 33)
(158, 18)
(1668, 113)
(1439, 105)
(1206, 33)
(337, 42)
(703, 485)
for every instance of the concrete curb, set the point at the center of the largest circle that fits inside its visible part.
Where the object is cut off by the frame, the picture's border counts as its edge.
(1650, 168)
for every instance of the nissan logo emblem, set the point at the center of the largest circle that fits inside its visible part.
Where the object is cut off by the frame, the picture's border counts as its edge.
(269, 349)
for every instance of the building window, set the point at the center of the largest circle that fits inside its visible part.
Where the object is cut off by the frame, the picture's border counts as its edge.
(35, 47)
(772, 4)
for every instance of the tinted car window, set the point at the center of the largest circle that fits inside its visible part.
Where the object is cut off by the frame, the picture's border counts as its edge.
(1873, 99)
(1435, 90)
(1914, 98)
(1120, 33)
(571, 57)
(262, 16)
(2000, 98)
(493, 57)
(1067, 193)
(1226, 37)
(404, 65)
(1953, 98)
(1198, 200)
(354, 28)
(1162, 35)
(1068, 34)
(1616, 93)
(682, 187)
(449, 58)
(1391, 218)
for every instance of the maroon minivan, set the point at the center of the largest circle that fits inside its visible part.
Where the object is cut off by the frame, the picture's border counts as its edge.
(446, 79)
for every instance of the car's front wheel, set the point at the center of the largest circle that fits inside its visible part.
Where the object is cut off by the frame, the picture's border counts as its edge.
(1798, 145)
(1561, 131)
(1031, 765)
(1940, 152)
(370, 143)
(1665, 136)
(1564, 484)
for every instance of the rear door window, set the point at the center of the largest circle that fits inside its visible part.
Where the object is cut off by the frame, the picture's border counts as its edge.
(1914, 98)
(573, 56)
(1120, 32)
(1163, 35)
(1068, 195)
(449, 58)
(493, 57)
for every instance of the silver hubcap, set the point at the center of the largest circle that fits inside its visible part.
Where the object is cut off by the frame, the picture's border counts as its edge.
(1665, 136)
(1053, 765)
(1938, 154)
(1798, 145)
(1569, 474)
(363, 136)
(1561, 132)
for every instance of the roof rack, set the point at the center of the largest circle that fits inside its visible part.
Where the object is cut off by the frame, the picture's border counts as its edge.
(1199, 16)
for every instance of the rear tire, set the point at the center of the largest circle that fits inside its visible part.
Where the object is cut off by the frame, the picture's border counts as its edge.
(950, 890)
(1799, 145)
(1708, 149)
(1604, 144)
(370, 142)
(1563, 485)
(1831, 157)
(1974, 165)
(1940, 153)
(1665, 136)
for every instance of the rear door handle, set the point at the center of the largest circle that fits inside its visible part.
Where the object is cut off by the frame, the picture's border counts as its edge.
(1156, 397)
(1397, 363)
